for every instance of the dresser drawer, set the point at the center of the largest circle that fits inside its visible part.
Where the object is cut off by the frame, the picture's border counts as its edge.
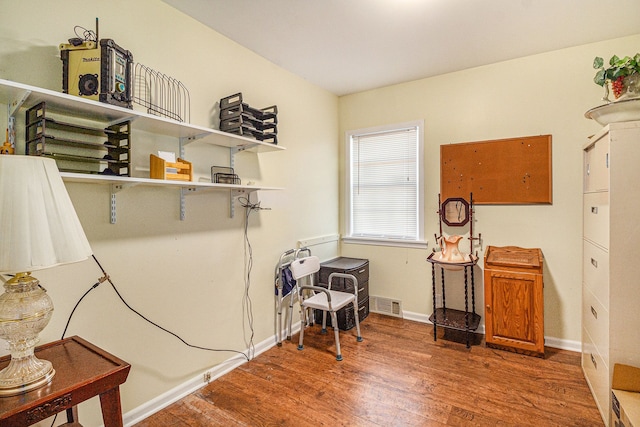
(363, 291)
(597, 375)
(596, 166)
(596, 218)
(595, 271)
(595, 321)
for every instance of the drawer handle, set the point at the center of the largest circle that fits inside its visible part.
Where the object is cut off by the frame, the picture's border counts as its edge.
(593, 360)
(588, 168)
(594, 210)
(361, 289)
(594, 262)
(594, 312)
(362, 271)
(362, 308)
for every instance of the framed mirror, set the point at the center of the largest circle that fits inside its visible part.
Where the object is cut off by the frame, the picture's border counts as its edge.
(455, 211)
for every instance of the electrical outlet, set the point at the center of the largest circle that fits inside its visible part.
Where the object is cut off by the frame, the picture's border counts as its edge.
(207, 377)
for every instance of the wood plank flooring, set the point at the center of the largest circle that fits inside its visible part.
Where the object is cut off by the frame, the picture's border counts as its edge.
(398, 376)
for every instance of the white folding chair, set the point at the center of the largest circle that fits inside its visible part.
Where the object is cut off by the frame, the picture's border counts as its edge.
(321, 298)
(283, 264)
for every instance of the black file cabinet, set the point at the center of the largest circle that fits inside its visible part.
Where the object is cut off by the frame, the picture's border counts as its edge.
(360, 269)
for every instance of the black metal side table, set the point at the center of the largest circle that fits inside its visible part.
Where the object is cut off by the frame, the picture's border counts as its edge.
(466, 320)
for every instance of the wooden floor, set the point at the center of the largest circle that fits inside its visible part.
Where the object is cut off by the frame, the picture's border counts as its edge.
(398, 376)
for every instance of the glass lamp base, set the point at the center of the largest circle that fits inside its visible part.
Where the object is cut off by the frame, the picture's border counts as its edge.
(25, 309)
(22, 375)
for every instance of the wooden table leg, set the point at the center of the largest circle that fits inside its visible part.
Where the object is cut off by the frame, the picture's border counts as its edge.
(72, 418)
(111, 408)
(72, 414)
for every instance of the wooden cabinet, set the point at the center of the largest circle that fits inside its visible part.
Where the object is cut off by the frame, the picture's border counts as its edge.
(610, 272)
(514, 299)
(358, 268)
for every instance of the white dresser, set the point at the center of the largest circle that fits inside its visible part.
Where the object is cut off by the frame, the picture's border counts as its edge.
(611, 257)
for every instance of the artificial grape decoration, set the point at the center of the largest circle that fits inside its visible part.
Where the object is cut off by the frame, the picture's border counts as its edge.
(618, 86)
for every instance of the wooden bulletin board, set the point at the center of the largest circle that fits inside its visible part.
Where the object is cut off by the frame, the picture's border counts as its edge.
(505, 171)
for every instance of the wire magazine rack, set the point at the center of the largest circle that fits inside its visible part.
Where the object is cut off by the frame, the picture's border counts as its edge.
(160, 94)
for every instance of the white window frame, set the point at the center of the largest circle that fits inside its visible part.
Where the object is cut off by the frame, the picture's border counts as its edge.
(418, 241)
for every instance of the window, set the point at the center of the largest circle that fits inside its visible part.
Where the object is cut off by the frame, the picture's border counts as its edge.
(384, 194)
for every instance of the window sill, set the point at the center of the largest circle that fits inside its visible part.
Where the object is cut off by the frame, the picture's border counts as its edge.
(417, 244)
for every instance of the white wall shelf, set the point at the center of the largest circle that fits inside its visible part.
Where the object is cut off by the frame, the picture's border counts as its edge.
(19, 96)
(120, 183)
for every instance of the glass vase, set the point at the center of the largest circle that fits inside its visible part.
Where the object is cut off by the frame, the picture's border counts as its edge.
(631, 87)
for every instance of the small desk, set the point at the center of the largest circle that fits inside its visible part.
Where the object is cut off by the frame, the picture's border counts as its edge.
(82, 372)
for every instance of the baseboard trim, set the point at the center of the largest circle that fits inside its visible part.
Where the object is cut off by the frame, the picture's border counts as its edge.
(563, 344)
(154, 405)
(548, 341)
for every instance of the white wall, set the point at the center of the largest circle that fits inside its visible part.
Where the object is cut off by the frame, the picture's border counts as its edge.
(188, 276)
(541, 94)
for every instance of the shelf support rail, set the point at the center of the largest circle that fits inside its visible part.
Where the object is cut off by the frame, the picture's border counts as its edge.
(235, 150)
(186, 140)
(183, 203)
(116, 188)
(17, 103)
(233, 195)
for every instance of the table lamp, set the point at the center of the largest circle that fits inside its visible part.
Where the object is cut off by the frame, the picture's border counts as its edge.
(39, 228)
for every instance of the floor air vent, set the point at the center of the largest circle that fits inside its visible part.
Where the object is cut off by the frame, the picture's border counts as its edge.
(386, 306)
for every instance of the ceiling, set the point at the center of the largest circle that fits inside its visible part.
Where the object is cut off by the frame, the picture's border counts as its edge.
(348, 46)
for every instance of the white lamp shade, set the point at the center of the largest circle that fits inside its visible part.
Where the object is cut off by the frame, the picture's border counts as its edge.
(39, 227)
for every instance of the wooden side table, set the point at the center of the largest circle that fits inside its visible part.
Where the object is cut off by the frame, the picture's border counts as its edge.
(467, 321)
(82, 372)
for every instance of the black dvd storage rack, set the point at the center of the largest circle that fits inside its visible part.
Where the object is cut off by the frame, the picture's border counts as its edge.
(78, 147)
(239, 118)
(224, 175)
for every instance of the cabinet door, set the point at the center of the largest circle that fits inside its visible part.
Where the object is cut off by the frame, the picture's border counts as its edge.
(596, 166)
(596, 218)
(514, 315)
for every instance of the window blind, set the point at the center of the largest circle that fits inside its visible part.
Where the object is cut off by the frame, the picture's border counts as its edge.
(384, 185)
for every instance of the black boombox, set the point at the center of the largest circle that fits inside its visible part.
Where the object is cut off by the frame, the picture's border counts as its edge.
(102, 73)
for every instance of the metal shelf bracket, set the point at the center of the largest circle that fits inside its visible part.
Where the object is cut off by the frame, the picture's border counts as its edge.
(17, 103)
(116, 188)
(183, 204)
(185, 140)
(233, 195)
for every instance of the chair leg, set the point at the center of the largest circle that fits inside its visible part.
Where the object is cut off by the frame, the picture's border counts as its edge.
(357, 316)
(290, 315)
(336, 331)
(279, 322)
(310, 317)
(324, 323)
(303, 324)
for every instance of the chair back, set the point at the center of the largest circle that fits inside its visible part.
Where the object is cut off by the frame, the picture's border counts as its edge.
(303, 267)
